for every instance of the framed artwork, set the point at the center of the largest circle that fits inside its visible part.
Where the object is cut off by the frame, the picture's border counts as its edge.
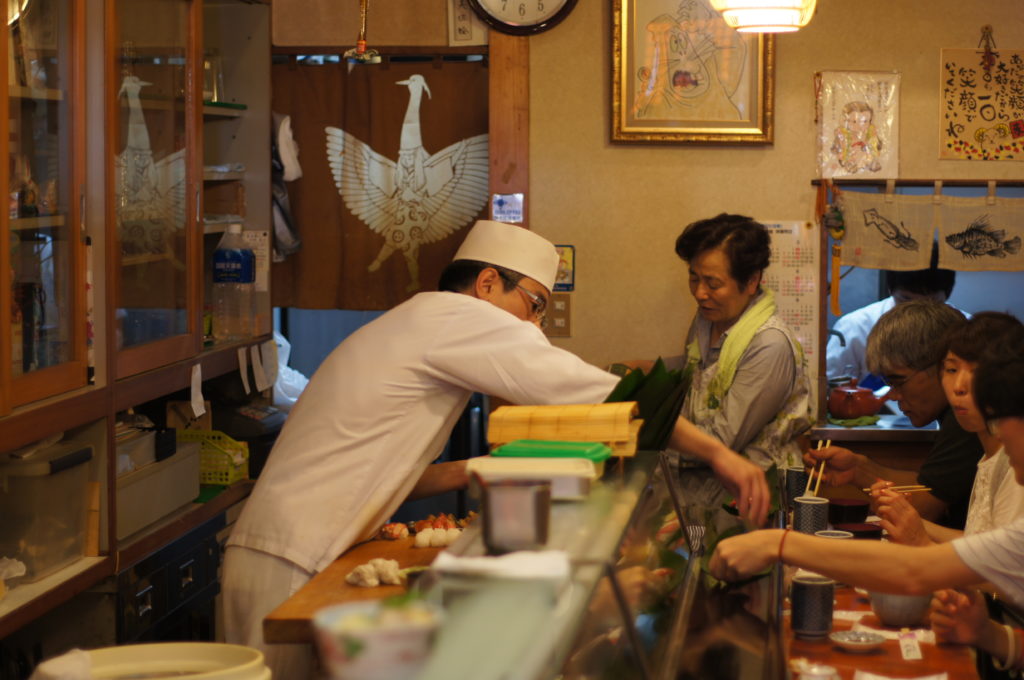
(680, 74)
(858, 123)
(981, 112)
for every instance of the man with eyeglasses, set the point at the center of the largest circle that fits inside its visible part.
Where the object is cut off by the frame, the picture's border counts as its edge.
(380, 408)
(906, 348)
(996, 556)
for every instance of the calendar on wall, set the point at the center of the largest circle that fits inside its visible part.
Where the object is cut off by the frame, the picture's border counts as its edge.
(793, 275)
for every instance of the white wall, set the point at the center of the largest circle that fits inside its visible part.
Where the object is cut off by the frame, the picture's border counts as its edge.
(623, 206)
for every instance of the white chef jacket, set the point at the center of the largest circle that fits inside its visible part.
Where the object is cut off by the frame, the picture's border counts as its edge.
(380, 409)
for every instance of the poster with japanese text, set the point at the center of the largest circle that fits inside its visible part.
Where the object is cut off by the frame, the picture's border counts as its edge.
(981, 110)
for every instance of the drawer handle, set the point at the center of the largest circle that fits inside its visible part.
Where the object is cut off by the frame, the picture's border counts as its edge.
(146, 606)
(187, 574)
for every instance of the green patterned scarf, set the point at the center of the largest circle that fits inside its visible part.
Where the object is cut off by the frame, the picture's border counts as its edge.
(736, 342)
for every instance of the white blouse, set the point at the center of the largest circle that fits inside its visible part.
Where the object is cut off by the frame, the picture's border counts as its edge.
(996, 498)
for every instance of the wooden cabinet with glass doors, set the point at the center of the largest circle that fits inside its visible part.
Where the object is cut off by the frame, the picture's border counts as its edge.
(43, 262)
(154, 140)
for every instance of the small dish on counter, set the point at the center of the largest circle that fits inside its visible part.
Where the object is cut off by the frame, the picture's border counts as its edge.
(857, 641)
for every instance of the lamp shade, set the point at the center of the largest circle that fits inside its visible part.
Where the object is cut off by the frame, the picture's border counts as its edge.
(765, 16)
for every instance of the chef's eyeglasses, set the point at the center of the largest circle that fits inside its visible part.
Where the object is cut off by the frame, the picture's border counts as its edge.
(538, 304)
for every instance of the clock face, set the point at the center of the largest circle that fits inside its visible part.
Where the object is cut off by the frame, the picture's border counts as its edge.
(522, 17)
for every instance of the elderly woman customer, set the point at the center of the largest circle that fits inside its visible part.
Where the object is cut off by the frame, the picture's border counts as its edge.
(749, 388)
(995, 556)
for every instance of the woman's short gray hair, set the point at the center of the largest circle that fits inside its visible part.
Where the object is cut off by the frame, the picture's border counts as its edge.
(910, 336)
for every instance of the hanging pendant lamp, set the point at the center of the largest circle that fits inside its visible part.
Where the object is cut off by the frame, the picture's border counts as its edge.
(765, 16)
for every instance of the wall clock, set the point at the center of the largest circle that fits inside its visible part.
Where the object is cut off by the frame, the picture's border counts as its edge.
(522, 17)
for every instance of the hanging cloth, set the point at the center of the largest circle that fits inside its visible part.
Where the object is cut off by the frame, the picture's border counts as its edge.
(343, 263)
(887, 231)
(976, 236)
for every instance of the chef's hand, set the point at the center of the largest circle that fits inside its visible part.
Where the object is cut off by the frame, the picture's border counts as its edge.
(741, 556)
(746, 482)
(840, 464)
(959, 616)
(898, 517)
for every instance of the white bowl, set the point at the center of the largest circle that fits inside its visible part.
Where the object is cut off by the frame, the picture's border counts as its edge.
(363, 641)
(900, 610)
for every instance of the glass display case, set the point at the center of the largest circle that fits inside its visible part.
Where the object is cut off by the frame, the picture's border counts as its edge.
(47, 327)
(155, 141)
(637, 603)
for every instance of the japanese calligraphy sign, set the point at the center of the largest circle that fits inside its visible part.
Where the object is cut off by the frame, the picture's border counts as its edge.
(981, 105)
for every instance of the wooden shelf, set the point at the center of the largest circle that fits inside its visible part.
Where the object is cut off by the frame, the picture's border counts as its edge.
(147, 386)
(210, 176)
(213, 112)
(31, 422)
(23, 92)
(28, 601)
(150, 539)
(33, 223)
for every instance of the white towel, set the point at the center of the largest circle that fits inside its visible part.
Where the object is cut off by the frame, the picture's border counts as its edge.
(541, 564)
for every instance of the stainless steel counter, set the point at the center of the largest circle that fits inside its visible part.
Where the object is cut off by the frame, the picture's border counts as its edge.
(889, 428)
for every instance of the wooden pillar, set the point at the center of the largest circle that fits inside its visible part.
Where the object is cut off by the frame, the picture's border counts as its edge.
(509, 116)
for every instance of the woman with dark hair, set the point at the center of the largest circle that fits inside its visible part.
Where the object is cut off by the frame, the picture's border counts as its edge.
(750, 389)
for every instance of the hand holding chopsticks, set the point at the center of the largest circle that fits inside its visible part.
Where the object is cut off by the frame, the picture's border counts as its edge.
(821, 473)
(905, 488)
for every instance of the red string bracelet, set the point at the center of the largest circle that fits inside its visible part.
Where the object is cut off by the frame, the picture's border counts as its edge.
(782, 542)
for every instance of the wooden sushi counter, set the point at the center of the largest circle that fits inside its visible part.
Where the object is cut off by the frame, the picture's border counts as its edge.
(593, 624)
(292, 621)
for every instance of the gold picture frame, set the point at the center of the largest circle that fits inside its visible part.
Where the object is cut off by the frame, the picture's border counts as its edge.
(686, 77)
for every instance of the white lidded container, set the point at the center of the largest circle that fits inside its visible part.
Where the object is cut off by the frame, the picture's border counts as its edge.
(44, 506)
(194, 660)
(570, 477)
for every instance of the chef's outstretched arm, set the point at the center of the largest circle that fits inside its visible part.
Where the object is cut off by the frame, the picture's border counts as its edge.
(742, 478)
(439, 478)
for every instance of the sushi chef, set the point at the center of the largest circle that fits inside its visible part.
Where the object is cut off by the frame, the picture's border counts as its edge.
(380, 408)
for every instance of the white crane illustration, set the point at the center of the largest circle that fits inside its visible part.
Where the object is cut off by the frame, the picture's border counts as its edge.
(422, 198)
(150, 193)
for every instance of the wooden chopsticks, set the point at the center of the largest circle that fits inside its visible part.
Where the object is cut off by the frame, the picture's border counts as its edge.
(821, 472)
(906, 488)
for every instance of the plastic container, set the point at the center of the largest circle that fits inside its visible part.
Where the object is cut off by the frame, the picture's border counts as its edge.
(595, 452)
(43, 503)
(196, 660)
(234, 280)
(570, 477)
(516, 514)
(158, 489)
(222, 459)
(135, 450)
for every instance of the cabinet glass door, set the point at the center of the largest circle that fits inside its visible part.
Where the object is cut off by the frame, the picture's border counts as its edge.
(154, 137)
(45, 236)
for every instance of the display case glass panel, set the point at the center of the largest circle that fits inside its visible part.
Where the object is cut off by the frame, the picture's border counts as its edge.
(153, 64)
(47, 325)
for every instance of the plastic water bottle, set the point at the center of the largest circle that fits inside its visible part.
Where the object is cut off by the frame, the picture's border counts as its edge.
(234, 278)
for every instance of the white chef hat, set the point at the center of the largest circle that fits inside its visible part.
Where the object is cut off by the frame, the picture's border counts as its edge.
(512, 247)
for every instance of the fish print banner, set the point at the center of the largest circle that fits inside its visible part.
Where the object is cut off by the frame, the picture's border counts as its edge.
(887, 231)
(977, 236)
(981, 111)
